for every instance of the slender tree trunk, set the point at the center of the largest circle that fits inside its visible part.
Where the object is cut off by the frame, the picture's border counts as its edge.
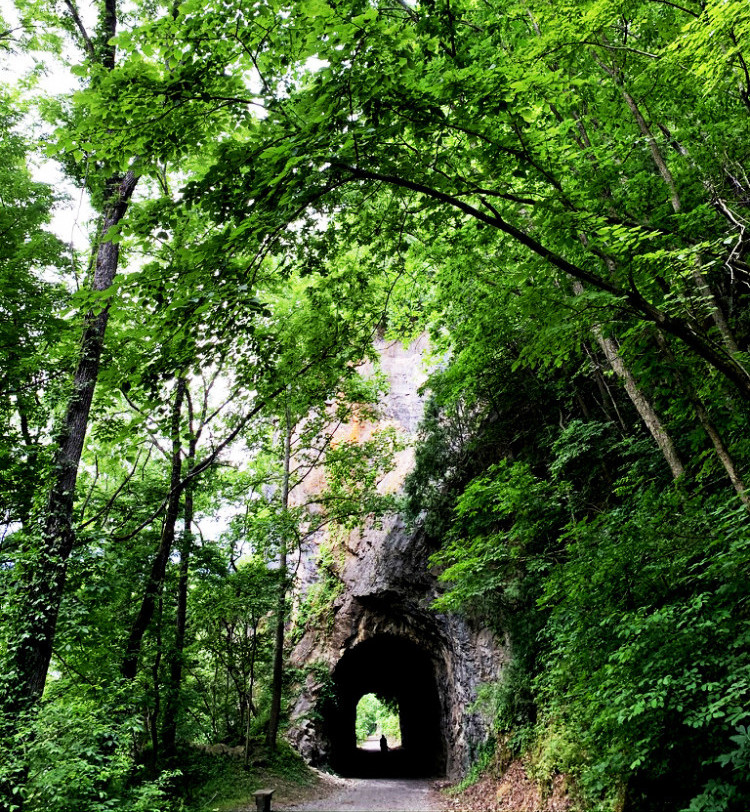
(708, 425)
(685, 331)
(700, 281)
(636, 395)
(153, 725)
(227, 693)
(278, 658)
(215, 702)
(32, 459)
(641, 403)
(42, 573)
(176, 658)
(159, 565)
(706, 293)
(604, 390)
(251, 691)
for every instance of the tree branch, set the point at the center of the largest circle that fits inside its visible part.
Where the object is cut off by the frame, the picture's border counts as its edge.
(679, 8)
(88, 44)
(211, 458)
(114, 496)
(710, 352)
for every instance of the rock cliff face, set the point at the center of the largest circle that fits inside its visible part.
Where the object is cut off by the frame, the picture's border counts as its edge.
(382, 637)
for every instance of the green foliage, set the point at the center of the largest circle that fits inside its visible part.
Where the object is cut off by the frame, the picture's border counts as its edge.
(531, 182)
(483, 558)
(32, 346)
(232, 637)
(316, 605)
(627, 633)
(220, 780)
(510, 704)
(79, 757)
(377, 717)
(667, 650)
(724, 793)
(627, 623)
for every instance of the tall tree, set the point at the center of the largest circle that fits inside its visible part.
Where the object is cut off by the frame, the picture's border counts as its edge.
(41, 575)
(277, 685)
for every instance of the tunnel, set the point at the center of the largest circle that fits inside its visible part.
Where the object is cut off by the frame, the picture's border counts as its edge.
(393, 668)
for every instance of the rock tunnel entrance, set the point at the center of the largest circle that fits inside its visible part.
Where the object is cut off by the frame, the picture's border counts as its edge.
(397, 669)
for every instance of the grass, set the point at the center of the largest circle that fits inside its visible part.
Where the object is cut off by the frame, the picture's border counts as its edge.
(220, 783)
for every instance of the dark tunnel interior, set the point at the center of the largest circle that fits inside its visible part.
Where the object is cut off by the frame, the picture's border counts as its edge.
(393, 668)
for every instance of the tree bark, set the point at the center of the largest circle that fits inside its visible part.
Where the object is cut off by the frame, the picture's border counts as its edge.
(278, 658)
(636, 395)
(42, 574)
(703, 287)
(250, 691)
(641, 403)
(153, 718)
(700, 281)
(26, 499)
(718, 358)
(155, 581)
(172, 702)
(604, 389)
(708, 425)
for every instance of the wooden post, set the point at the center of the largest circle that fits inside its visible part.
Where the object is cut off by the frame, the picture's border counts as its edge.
(263, 799)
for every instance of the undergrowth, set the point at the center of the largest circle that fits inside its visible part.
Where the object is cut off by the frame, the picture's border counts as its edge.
(220, 782)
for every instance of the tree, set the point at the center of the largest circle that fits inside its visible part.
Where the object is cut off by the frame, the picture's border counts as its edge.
(556, 191)
(502, 167)
(42, 575)
(30, 335)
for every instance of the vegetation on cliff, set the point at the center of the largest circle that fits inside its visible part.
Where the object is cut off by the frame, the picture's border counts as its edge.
(557, 191)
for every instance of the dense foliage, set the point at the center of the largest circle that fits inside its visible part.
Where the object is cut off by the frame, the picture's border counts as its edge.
(557, 191)
(621, 596)
(377, 718)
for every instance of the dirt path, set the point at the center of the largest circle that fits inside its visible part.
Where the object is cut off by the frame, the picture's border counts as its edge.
(376, 795)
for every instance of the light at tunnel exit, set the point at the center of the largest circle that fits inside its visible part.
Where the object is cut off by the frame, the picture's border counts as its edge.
(377, 717)
(402, 674)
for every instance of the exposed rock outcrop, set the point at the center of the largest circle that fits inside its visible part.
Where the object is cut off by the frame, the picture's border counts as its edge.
(381, 636)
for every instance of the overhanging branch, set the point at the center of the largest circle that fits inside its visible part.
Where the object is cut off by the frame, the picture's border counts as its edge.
(712, 353)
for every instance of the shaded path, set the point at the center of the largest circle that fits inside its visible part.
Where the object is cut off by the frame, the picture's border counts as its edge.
(378, 795)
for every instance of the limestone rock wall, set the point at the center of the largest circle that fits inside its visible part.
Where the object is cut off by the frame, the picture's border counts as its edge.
(386, 592)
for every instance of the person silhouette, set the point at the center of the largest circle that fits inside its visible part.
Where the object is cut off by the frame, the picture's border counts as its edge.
(383, 744)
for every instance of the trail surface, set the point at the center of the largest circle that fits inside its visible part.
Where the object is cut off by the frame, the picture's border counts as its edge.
(377, 795)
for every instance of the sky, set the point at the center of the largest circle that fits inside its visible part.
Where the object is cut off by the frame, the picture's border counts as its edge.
(73, 213)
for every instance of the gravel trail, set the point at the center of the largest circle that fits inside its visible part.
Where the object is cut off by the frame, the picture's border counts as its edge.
(377, 795)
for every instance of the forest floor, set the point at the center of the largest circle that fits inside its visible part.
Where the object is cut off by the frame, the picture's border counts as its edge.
(512, 791)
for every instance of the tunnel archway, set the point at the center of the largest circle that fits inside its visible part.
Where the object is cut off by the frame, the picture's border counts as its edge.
(393, 668)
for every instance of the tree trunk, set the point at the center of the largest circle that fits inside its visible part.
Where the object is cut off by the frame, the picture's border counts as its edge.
(708, 425)
(278, 658)
(685, 331)
(701, 283)
(172, 702)
(42, 573)
(26, 499)
(153, 719)
(159, 565)
(640, 401)
(250, 691)
(604, 389)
